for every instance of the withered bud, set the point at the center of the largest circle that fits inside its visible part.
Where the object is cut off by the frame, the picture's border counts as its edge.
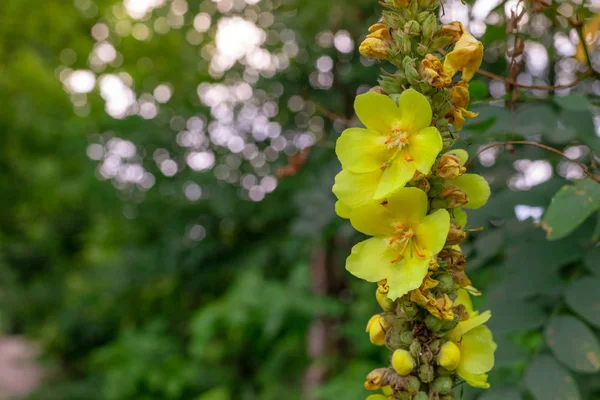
(454, 259)
(377, 379)
(449, 167)
(461, 278)
(377, 89)
(453, 30)
(456, 234)
(455, 197)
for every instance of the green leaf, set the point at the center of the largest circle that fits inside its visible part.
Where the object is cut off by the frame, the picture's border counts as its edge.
(574, 344)
(582, 297)
(571, 206)
(501, 394)
(512, 315)
(478, 90)
(574, 102)
(592, 261)
(546, 379)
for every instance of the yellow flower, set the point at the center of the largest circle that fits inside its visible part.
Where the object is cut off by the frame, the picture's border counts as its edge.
(467, 57)
(475, 343)
(460, 101)
(449, 356)
(591, 33)
(432, 71)
(378, 43)
(396, 143)
(387, 394)
(402, 362)
(406, 239)
(376, 379)
(376, 328)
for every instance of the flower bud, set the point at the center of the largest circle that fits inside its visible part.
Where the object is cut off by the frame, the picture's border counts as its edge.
(450, 167)
(403, 43)
(450, 324)
(429, 26)
(414, 384)
(415, 348)
(402, 362)
(377, 379)
(421, 396)
(446, 283)
(410, 309)
(422, 16)
(453, 259)
(426, 373)
(455, 197)
(411, 72)
(433, 323)
(428, 3)
(376, 328)
(449, 396)
(449, 356)
(453, 30)
(401, 3)
(443, 385)
(407, 337)
(385, 302)
(455, 235)
(412, 28)
(403, 396)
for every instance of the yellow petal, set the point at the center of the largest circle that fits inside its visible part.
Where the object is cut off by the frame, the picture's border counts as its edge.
(424, 148)
(355, 190)
(477, 351)
(432, 232)
(415, 111)
(394, 178)
(476, 187)
(409, 206)
(477, 381)
(371, 260)
(343, 210)
(373, 219)
(377, 112)
(465, 327)
(361, 150)
(407, 275)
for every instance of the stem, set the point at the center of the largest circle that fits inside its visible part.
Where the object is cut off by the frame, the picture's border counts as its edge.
(541, 146)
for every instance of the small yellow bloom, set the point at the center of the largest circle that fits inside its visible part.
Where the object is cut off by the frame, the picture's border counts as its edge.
(432, 71)
(376, 328)
(402, 362)
(378, 42)
(591, 34)
(475, 342)
(467, 57)
(406, 239)
(397, 142)
(385, 302)
(449, 356)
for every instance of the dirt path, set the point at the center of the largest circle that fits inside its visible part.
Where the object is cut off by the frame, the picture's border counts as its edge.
(19, 373)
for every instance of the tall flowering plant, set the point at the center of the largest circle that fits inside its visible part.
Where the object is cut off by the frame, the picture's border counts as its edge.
(404, 185)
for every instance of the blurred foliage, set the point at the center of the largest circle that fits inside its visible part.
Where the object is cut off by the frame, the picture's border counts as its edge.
(128, 304)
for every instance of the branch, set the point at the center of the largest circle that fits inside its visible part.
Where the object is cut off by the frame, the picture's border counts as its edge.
(541, 146)
(540, 87)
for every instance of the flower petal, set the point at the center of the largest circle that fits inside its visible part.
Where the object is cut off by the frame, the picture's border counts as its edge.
(465, 327)
(459, 216)
(409, 205)
(408, 275)
(415, 111)
(371, 260)
(377, 112)
(476, 187)
(394, 178)
(432, 232)
(477, 351)
(373, 219)
(475, 380)
(464, 298)
(355, 190)
(362, 150)
(424, 148)
(342, 209)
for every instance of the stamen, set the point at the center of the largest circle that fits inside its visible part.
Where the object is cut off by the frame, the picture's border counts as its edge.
(417, 250)
(395, 260)
(408, 158)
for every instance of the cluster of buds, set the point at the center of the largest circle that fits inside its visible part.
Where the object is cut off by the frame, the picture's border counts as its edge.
(428, 327)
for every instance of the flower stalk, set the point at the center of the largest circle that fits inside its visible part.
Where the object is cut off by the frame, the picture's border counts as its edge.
(404, 185)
